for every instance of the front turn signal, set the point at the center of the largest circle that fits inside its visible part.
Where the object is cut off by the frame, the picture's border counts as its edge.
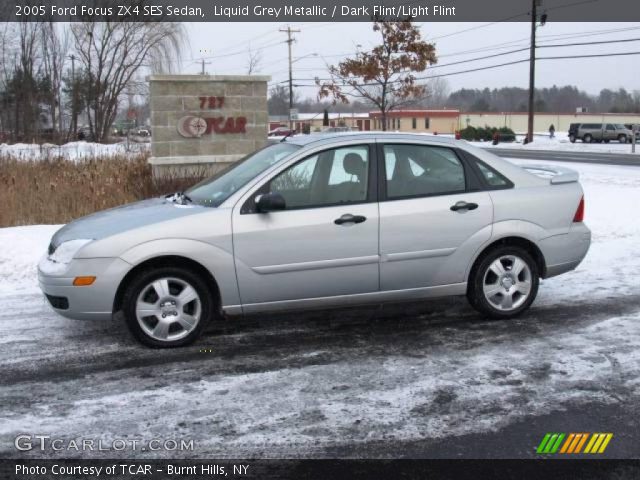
(83, 281)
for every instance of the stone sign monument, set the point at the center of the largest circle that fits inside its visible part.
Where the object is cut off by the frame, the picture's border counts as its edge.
(203, 123)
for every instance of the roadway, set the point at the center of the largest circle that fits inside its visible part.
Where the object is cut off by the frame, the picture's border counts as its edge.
(624, 159)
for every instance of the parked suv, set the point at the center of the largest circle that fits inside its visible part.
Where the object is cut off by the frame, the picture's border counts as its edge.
(599, 132)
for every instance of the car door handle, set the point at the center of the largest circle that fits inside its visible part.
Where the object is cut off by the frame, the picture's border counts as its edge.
(348, 218)
(464, 206)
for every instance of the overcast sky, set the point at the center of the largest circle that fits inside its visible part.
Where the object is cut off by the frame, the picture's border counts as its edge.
(226, 46)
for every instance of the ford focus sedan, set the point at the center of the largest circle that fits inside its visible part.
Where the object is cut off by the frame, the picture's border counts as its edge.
(323, 221)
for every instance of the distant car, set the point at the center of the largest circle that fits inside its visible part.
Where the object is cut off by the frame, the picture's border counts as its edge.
(323, 221)
(142, 132)
(280, 131)
(335, 129)
(631, 127)
(599, 132)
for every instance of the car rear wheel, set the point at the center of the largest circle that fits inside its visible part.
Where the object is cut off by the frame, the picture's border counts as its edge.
(167, 307)
(587, 138)
(572, 138)
(504, 282)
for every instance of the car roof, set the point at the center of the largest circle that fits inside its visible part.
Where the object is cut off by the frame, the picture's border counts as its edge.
(330, 137)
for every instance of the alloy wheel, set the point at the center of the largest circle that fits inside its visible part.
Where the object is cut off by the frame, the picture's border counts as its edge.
(507, 283)
(168, 309)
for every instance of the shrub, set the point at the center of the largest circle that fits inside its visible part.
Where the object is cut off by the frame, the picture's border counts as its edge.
(57, 191)
(478, 134)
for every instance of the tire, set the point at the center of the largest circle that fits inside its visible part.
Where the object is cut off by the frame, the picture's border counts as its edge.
(622, 138)
(572, 138)
(488, 291)
(178, 303)
(587, 138)
(606, 141)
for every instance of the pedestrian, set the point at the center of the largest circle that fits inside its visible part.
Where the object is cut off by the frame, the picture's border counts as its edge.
(552, 131)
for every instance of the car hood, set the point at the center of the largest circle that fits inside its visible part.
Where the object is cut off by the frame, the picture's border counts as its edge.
(120, 219)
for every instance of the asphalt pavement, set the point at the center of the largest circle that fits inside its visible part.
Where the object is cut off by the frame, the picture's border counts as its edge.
(624, 159)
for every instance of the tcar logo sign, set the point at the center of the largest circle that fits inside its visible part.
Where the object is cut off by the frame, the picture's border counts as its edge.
(192, 127)
(195, 126)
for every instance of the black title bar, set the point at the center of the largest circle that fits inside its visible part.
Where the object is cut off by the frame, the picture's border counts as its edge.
(317, 10)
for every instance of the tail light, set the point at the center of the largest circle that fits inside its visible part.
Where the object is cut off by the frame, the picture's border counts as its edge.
(579, 215)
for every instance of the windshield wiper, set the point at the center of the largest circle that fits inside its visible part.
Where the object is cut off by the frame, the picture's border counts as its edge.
(179, 197)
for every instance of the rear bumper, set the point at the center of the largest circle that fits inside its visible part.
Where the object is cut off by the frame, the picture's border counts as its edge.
(94, 302)
(563, 253)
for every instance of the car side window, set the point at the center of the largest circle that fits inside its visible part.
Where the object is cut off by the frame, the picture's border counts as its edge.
(422, 170)
(493, 178)
(333, 177)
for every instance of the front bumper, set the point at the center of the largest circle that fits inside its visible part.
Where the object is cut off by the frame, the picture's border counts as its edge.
(94, 302)
(563, 253)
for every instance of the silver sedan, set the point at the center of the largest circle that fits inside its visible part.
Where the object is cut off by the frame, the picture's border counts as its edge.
(322, 221)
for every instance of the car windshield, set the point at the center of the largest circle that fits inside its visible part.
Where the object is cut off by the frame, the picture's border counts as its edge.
(215, 190)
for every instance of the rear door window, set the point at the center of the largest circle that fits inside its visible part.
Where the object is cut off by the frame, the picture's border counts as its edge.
(422, 170)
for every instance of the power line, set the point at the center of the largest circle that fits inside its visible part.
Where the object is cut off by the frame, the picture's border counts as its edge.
(624, 40)
(488, 67)
(470, 60)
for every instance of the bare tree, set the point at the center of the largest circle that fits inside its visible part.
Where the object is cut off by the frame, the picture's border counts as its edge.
(254, 60)
(437, 93)
(111, 53)
(24, 80)
(384, 75)
(55, 44)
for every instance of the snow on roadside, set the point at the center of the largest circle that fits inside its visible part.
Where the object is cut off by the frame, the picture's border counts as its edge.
(612, 265)
(71, 151)
(21, 249)
(561, 142)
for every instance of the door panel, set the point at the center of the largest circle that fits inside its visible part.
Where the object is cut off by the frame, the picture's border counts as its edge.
(301, 252)
(298, 254)
(430, 225)
(424, 243)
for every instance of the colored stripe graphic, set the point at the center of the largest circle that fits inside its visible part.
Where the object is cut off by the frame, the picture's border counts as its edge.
(598, 442)
(552, 442)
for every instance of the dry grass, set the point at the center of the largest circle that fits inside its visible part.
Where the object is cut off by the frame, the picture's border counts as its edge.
(57, 191)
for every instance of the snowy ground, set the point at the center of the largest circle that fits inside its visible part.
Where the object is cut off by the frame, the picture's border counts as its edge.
(71, 151)
(351, 382)
(561, 142)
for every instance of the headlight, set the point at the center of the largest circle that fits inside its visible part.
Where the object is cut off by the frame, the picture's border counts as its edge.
(56, 262)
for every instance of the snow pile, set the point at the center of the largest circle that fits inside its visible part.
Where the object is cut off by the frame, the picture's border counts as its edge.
(22, 247)
(71, 151)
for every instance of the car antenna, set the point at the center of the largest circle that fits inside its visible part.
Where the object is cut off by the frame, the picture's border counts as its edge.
(284, 139)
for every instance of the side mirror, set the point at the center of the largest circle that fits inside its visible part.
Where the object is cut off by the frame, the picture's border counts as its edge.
(269, 202)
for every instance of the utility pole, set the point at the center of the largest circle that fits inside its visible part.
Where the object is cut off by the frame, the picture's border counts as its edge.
(203, 64)
(532, 69)
(532, 63)
(290, 40)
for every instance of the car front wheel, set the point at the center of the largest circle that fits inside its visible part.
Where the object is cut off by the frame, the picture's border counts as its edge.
(167, 307)
(504, 282)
